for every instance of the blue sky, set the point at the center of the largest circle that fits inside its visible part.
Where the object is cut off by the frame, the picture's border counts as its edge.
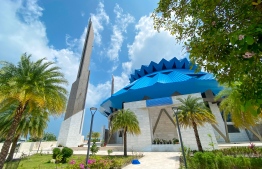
(55, 29)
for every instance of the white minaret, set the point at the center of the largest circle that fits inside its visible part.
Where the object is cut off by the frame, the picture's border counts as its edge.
(71, 129)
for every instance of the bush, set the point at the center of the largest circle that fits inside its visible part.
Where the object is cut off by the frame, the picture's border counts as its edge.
(117, 163)
(100, 162)
(94, 149)
(256, 163)
(56, 151)
(66, 153)
(109, 151)
(217, 160)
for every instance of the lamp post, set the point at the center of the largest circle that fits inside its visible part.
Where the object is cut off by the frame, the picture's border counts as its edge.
(176, 111)
(93, 111)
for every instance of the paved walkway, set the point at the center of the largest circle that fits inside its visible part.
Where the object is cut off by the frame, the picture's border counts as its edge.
(157, 160)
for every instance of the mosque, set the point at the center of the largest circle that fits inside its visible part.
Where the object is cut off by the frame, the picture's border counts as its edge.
(151, 94)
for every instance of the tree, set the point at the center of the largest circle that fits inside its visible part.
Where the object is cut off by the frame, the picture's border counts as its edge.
(95, 136)
(49, 137)
(125, 120)
(241, 118)
(223, 37)
(194, 113)
(32, 123)
(34, 139)
(30, 84)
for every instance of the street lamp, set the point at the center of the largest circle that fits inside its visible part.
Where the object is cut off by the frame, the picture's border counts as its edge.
(93, 111)
(176, 111)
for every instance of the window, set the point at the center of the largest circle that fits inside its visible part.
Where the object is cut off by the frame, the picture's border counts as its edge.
(120, 133)
(229, 119)
(232, 129)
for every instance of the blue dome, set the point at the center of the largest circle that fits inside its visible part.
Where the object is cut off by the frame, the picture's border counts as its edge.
(161, 80)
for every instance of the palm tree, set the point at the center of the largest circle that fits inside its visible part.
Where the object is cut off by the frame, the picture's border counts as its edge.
(94, 136)
(125, 120)
(194, 113)
(34, 84)
(241, 118)
(33, 123)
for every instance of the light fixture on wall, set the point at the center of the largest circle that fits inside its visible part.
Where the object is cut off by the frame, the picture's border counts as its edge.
(176, 111)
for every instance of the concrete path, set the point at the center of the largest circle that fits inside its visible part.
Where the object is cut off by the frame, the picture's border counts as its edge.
(156, 160)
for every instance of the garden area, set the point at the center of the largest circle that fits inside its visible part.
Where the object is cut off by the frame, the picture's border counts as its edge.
(231, 158)
(45, 161)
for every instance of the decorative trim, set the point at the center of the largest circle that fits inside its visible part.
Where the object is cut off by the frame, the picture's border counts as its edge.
(158, 118)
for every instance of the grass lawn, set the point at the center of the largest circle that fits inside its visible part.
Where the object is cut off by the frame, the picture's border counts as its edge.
(38, 161)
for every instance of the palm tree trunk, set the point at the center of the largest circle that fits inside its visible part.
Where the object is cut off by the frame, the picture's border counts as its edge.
(125, 145)
(11, 133)
(226, 129)
(12, 151)
(197, 137)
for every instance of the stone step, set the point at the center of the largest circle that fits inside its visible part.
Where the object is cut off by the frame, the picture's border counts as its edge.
(113, 147)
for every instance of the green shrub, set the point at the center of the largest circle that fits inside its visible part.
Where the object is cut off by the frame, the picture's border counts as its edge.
(109, 151)
(242, 162)
(256, 163)
(56, 151)
(101, 164)
(66, 153)
(117, 163)
(242, 151)
(94, 149)
(223, 162)
(59, 158)
(217, 160)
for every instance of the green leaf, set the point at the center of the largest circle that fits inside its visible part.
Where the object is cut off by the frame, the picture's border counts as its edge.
(259, 30)
(253, 111)
(249, 40)
(248, 105)
(259, 110)
(242, 108)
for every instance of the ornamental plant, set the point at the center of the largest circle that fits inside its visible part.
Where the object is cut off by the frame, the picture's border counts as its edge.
(56, 151)
(62, 156)
(94, 149)
(66, 153)
(75, 165)
(109, 151)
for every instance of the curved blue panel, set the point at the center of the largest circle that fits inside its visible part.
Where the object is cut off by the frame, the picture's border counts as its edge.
(161, 81)
(159, 102)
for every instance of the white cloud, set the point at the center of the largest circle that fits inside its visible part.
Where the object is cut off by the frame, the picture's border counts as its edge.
(97, 93)
(149, 45)
(98, 19)
(30, 11)
(121, 81)
(117, 38)
(114, 67)
(22, 31)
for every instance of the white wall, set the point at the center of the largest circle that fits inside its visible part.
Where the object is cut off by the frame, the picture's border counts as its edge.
(143, 142)
(70, 134)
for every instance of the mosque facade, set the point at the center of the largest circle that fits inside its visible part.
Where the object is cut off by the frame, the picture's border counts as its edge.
(151, 94)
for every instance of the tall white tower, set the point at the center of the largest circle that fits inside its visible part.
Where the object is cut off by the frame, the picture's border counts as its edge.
(71, 129)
